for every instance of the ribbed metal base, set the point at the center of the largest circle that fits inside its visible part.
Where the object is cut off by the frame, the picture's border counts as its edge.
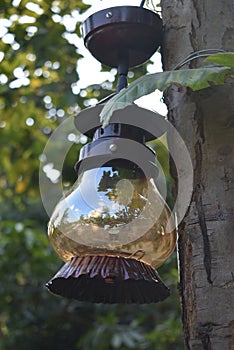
(108, 279)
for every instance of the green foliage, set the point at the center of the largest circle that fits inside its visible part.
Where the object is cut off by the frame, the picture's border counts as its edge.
(160, 146)
(224, 59)
(196, 79)
(37, 76)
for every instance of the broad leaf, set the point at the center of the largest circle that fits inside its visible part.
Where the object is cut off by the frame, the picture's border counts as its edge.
(196, 79)
(224, 59)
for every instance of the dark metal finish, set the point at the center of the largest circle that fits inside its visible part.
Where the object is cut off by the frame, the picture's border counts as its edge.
(108, 279)
(124, 30)
(127, 154)
(123, 74)
(88, 120)
(130, 132)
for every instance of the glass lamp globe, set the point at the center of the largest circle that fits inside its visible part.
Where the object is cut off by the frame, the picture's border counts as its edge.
(113, 228)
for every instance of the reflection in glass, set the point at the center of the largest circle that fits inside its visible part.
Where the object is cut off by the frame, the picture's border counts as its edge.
(113, 211)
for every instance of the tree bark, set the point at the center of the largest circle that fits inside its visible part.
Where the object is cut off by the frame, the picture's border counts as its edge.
(205, 120)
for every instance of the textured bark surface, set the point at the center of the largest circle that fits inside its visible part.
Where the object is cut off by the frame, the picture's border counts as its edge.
(205, 120)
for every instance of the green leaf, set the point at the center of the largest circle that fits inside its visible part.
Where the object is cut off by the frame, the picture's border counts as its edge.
(196, 79)
(224, 59)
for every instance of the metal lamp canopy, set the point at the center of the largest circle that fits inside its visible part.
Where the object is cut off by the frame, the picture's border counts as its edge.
(122, 32)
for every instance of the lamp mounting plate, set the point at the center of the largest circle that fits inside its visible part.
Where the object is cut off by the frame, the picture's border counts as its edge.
(122, 33)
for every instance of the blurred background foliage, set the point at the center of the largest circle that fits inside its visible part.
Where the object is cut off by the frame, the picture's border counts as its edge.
(39, 88)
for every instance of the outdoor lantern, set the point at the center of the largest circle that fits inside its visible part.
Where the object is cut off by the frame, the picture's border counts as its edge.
(113, 228)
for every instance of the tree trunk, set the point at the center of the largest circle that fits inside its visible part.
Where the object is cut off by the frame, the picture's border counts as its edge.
(205, 121)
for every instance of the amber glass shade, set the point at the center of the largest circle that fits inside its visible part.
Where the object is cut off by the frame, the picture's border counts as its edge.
(113, 211)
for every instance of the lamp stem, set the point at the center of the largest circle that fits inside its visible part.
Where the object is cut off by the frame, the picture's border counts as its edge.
(123, 73)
